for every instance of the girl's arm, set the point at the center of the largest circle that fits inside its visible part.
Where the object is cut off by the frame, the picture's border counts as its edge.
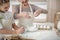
(14, 26)
(5, 31)
(21, 29)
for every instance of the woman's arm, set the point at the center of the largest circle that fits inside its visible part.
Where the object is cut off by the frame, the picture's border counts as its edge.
(44, 11)
(39, 11)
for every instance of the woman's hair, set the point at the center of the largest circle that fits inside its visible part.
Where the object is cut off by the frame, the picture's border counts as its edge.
(4, 1)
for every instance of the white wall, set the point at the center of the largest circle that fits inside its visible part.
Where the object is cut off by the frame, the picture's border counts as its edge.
(52, 9)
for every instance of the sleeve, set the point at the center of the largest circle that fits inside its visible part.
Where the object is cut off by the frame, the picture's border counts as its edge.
(36, 8)
(15, 10)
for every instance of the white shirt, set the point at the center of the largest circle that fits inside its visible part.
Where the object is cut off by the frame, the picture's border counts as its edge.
(7, 20)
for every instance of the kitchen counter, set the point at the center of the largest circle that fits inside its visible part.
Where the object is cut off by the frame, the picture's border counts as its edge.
(42, 35)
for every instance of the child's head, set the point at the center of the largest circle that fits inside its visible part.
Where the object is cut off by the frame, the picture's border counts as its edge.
(4, 5)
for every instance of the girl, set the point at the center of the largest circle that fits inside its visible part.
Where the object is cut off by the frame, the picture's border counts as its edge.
(6, 19)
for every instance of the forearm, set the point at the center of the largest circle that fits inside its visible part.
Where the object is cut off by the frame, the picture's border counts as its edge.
(36, 13)
(44, 11)
(39, 11)
(5, 31)
(15, 26)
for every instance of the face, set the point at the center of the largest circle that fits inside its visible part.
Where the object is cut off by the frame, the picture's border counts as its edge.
(23, 1)
(5, 7)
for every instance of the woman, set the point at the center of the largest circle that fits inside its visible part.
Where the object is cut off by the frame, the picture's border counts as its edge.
(26, 12)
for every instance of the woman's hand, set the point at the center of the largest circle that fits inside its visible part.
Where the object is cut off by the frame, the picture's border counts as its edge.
(20, 30)
(23, 14)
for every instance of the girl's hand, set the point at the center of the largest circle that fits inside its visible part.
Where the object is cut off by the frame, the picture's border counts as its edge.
(20, 30)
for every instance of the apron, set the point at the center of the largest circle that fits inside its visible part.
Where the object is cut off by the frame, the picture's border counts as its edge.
(25, 21)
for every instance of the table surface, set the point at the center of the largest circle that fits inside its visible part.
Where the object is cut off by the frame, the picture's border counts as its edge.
(41, 35)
